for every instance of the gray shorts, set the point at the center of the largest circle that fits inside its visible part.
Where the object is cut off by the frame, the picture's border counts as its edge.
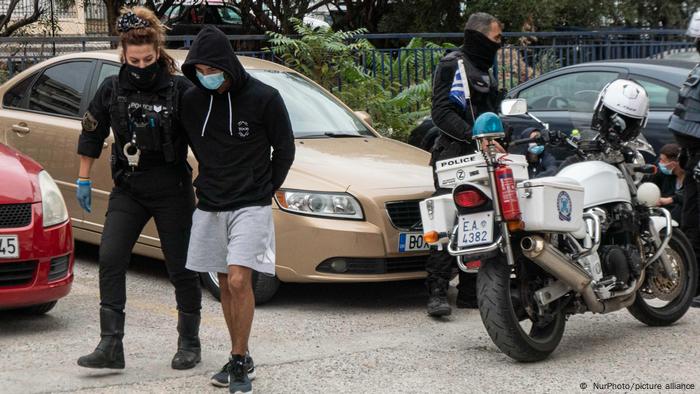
(244, 237)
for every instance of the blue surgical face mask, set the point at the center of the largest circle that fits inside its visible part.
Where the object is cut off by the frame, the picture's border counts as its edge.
(665, 170)
(536, 149)
(211, 81)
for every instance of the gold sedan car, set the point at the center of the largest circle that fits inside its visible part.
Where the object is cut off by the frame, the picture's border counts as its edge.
(348, 211)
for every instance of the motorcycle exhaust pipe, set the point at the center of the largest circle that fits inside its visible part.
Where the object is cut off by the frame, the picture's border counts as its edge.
(551, 260)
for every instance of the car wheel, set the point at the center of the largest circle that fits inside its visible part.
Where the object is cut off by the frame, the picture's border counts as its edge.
(210, 281)
(264, 287)
(39, 309)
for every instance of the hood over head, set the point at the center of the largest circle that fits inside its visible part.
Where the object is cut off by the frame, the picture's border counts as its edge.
(211, 47)
(524, 134)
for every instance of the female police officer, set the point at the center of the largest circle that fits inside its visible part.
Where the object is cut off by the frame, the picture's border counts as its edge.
(151, 179)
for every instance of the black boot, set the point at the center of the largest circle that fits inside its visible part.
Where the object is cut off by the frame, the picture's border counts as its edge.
(437, 300)
(109, 353)
(189, 350)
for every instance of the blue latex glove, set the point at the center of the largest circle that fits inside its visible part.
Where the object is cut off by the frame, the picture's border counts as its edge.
(84, 194)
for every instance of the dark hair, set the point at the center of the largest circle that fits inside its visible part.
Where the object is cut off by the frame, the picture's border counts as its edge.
(481, 22)
(153, 34)
(672, 151)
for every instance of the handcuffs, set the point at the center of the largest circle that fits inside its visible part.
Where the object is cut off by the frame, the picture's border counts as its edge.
(132, 152)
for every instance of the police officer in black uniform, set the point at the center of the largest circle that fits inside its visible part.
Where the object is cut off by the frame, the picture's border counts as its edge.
(151, 180)
(685, 124)
(482, 40)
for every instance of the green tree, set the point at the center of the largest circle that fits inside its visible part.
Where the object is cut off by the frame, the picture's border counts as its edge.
(8, 25)
(409, 16)
(557, 14)
(338, 61)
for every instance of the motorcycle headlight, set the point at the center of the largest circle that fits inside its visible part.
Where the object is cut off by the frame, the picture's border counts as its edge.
(52, 204)
(333, 205)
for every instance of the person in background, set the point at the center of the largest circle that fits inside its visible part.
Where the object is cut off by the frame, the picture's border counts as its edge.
(686, 128)
(540, 162)
(463, 89)
(669, 179)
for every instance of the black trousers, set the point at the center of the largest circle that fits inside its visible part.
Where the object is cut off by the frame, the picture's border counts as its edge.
(439, 268)
(690, 223)
(166, 195)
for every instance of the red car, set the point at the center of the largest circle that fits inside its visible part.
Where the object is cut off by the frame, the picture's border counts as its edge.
(36, 239)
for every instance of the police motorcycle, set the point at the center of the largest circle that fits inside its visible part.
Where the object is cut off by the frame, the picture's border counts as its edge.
(588, 239)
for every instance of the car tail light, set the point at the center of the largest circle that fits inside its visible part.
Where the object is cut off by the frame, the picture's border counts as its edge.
(469, 198)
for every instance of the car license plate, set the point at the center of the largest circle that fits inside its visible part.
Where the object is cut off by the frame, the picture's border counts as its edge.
(475, 229)
(9, 247)
(409, 242)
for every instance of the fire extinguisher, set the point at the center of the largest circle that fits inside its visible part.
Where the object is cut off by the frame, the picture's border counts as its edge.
(507, 195)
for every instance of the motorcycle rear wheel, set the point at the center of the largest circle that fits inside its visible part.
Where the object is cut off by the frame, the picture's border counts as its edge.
(503, 314)
(648, 306)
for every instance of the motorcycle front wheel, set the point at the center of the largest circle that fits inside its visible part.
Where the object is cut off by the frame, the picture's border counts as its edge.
(505, 295)
(662, 300)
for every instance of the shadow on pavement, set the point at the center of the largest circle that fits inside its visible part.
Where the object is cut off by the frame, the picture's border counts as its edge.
(14, 322)
(402, 294)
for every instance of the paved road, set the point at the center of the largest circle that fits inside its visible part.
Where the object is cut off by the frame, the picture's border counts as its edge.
(334, 338)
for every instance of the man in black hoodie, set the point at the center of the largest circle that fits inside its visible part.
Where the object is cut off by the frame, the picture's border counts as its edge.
(241, 135)
(482, 40)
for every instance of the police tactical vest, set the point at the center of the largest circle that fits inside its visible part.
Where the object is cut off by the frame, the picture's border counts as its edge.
(686, 116)
(482, 85)
(147, 116)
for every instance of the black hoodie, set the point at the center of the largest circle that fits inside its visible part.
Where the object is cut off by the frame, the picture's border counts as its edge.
(232, 133)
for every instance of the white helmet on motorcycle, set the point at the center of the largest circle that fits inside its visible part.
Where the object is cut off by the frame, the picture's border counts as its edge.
(621, 110)
(694, 25)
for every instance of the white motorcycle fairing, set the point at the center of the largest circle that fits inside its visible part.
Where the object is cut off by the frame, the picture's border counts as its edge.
(660, 223)
(603, 183)
(439, 213)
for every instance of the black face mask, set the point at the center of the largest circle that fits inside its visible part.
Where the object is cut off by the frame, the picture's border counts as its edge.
(480, 50)
(142, 78)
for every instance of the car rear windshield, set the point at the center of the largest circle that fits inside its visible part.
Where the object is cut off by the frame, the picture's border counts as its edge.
(313, 111)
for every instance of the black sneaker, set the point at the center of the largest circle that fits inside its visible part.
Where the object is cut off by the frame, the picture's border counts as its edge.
(220, 379)
(239, 382)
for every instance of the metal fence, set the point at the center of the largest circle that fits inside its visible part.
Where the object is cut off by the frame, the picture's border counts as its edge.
(95, 18)
(526, 55)
(26, 7)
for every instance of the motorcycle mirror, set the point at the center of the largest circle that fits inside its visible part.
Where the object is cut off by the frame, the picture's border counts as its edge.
(641, 145)
(513, 107)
